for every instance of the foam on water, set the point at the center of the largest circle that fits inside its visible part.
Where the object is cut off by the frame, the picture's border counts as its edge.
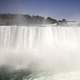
(42, 49)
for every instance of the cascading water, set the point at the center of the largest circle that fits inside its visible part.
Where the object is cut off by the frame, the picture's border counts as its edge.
(49, 52)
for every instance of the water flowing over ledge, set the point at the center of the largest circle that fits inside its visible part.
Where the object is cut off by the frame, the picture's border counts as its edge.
(46, 52)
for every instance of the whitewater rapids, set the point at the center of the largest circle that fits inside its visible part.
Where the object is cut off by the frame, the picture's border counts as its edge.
(49, 52)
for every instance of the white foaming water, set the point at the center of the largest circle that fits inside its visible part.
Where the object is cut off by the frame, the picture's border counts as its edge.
(48, 49)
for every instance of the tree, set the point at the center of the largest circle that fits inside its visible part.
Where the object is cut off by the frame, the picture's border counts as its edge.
(51, 20)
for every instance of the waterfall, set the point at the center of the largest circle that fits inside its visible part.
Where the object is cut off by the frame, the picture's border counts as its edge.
(47, 48)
